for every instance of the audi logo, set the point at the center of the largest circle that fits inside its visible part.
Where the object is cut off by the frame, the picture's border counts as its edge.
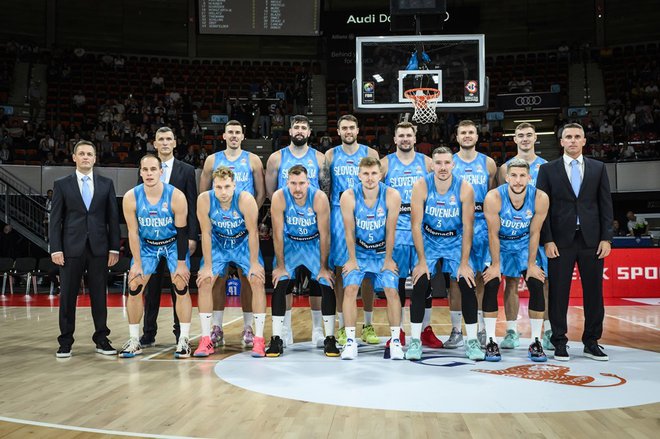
(527, 101)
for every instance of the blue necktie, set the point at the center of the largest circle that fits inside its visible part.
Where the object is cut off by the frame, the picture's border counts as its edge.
(163, 177)
(86, 192)
(576, 180)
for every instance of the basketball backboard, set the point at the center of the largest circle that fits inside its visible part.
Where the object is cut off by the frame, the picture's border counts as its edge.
(387, 66)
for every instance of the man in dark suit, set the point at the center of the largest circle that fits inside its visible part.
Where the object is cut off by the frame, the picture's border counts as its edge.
(182, 176)
(84, 235)
(578, 229)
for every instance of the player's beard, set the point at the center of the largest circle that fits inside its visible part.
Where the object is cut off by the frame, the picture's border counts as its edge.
(347, 142)
(518, 193)
(299, 141)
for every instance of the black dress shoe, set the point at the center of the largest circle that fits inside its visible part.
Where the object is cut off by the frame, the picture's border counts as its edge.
(147, 342)
(594, 352)
(561, 353)
(104, 347)
(63, 352)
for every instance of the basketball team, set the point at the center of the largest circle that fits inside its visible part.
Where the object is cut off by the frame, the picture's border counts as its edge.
(359, 225)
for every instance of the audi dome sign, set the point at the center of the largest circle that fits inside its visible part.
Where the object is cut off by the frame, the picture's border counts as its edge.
(528, 101)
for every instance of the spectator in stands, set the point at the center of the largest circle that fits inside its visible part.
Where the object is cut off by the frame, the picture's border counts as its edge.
(632, 221)
(597, 152)
(5, 155)
(158, 82)
(606, 131)
(264, 117)
(616, 229)
(79, 99)
(50, 160)
(61, 148)
(191, 157)
(119, 62)
(34, 95)
(628, 151)
(201, 158)
(79, 52)
(325, 143)
(300, 100)
(107, 154)
(46, 146)
(6, 139)
(135, 153)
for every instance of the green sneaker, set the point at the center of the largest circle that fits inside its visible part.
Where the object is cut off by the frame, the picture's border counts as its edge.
(547, 344)
(369, 334)
(473, 350)
(414, 351)
(341, 336)
(511, 339)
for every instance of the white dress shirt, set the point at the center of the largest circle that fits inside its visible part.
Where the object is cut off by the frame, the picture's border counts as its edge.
(567, 165)
(90, 183)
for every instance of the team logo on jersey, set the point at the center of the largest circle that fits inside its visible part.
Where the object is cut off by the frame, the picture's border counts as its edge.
(380, 211)
(480, 168)
(243, 161)
(550, 373)
(235, 215)
(528, 214)
(538, 165)
(164, 207)
(310, 163)
(452, 199)
(310, 211)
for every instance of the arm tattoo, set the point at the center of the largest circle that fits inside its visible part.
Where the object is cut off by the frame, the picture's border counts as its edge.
(324, 178)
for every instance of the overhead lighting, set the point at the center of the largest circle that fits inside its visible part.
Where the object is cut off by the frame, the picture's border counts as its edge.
(528, 120)
(378, 78)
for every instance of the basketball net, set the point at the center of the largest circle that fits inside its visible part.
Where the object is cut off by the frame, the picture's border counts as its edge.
(424, 100)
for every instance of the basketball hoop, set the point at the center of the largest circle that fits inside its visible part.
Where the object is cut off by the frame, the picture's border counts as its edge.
(424, 101)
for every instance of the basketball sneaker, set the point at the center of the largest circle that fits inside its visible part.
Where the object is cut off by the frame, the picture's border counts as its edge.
(330, 346)
(369, 334)
(258, 347)
(429, 339)
(247, 337)
(402, 339)
(492, 351)
(414, 351)
(182, 348)
(511, 339)
(275, 347)
(481, 335)
(205, 347)
(455, 339)
(131, 348)
(535, 352)
(473, 350)
(318, 338)
(547, 344)
(217, 336)
(396, 351)
(341, 336)
(287, 336)
(350, 351)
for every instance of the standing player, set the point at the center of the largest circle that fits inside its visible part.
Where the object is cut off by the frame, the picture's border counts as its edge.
(525, 138)
(442, 225)
(402, 169)
(515, 212)
(230, 235)
(301, 237)
(479, 170)
(155, 214)
(277, 172)
(249, 176)
(370, 211)
(343, 163)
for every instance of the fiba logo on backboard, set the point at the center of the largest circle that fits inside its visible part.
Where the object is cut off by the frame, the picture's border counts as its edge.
(368, 91)
(471, 91)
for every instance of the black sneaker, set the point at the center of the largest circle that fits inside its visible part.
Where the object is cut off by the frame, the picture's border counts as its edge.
(63, 352)
(148, 341)
(330, 346)
(492, 351)
(104, 347)
(561, 353)
(535, 352)
(594, 352)
(275, 347)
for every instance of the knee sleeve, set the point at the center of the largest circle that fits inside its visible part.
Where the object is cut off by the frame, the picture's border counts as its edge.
(402, 291)
(180, 292)
(278, 304)
(136, 291)
(314, 288)
(290, 285)
(418, 299)
(489, 303)
(328, 300)
(468, 302)
(536, 298)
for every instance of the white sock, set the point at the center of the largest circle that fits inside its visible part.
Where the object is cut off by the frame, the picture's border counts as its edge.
(546, 325)
(416, 330)
(205, 321)
(491, 322)
(537, 328)
(456, 317)
(329, 325)
(317, 319)
(340, 317)
(512, 325)
(185, 330)
(350, 333)
(471, 331)
(278, 324)
(259, 322)
(247, 319)
(395, 333)
(427, 317)
(480, 316)
(217, 318)
(134, 331)
(287, 319)
(368, 317)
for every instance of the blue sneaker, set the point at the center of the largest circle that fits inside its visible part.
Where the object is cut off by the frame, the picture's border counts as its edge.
(492, 351)
(414, 351)
(547, 344)
(535, 352)
(511, 339)
(473, 350)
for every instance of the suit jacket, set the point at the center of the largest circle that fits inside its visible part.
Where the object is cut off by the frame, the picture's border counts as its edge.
(593, 204)
(183, 178)
(72, 225)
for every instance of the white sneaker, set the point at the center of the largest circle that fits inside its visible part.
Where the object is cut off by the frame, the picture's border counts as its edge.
(131, 348)
(396, 351)
(350, 351)
(318, 338)
(287, 336)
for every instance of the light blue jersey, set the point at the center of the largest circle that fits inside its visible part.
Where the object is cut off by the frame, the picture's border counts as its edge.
(243, 176)
(533, 168)
(402, 178)
(288, 160)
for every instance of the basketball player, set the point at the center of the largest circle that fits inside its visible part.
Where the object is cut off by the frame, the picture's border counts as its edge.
(230, 235)
(442, 218)
(401, 170)
(301, 237)
(515, 212)
(277, 172)
(525, 138)
(249, 176)
(155, 214)
(370, 212)
(479, 170)
(342, 161)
